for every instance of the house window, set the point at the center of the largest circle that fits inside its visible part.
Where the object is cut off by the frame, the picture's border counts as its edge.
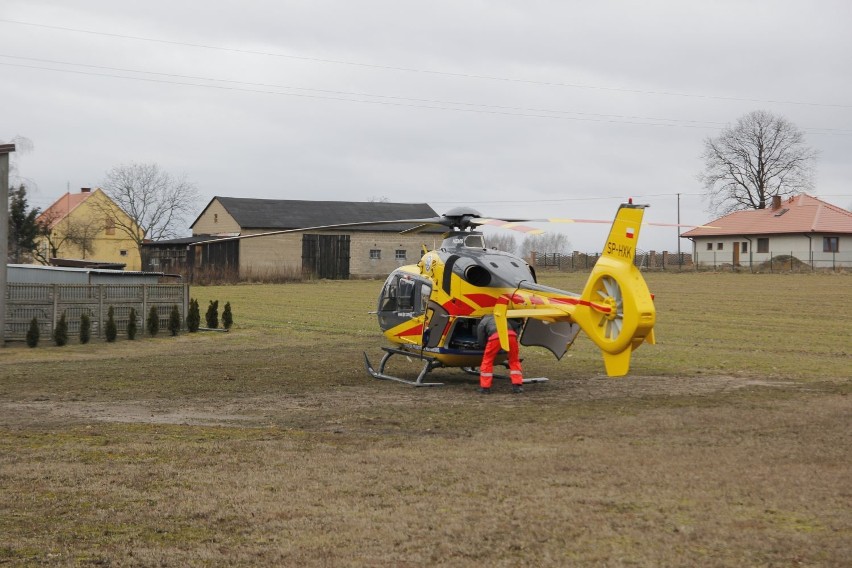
(763, 244)
(215, 217)
(720, 246)
(400, 254)
(744, 246)
(122, 252)
(831, 244)
(109, 226)
(709, 246)
(375, 254)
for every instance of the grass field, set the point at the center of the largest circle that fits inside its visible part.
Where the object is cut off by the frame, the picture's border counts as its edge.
(730, 444)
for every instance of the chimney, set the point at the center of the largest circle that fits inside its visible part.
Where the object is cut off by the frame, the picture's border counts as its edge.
(89, 190)
(776, 202)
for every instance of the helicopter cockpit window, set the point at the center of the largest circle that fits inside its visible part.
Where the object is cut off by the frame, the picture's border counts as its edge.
(405, 301)
(402, 299)
(474, 241)
(404, 294)
(387, 301)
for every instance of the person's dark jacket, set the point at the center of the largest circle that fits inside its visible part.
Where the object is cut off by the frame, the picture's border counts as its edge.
(488, 327)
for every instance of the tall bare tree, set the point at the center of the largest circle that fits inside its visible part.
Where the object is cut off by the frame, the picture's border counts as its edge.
(23, 145)
(156, 202)
(502, 241)
(62, 233)
(547, 243)
(763, 155)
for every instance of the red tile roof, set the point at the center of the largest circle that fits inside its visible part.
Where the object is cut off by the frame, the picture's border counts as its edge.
(798, 214)
(62, 207)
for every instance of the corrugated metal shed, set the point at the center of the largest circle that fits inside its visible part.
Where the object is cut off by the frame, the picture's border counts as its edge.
(36, 274)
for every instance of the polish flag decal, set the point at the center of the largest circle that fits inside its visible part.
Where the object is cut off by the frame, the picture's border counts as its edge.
(631, 232)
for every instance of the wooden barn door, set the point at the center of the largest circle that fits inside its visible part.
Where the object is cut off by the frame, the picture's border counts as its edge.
(325, 256)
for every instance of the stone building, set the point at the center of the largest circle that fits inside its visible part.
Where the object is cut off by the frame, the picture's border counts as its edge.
(313, 248)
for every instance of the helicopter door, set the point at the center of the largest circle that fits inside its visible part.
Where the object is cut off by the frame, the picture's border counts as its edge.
(437, 318)
(403, 297)
(556, 337)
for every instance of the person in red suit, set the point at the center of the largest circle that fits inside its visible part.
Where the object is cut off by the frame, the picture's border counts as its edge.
(488, 337)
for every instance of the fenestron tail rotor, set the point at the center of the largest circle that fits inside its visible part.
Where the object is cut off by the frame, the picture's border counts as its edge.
(611, 323)
(618, 311)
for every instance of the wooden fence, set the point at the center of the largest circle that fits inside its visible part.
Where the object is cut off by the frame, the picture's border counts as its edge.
(47, 303)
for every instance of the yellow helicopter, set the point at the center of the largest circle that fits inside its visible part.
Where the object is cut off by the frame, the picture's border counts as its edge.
(430, 311)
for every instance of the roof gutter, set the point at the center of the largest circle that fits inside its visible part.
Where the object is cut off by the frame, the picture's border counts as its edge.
(810, 249)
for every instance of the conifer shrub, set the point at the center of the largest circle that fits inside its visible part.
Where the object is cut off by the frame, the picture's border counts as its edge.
(85, 328)
(110, 330)
(174, 320)
(193, 318)
(227, 317)
(33, 333)
(153, 322)
(131, 324)
(212, 315)
(60, 333)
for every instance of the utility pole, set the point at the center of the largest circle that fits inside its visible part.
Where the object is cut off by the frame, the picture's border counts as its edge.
(678, 228)
(5, 150)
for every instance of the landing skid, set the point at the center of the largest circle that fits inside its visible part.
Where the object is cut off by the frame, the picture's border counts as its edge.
(475, 371)
(429, 364)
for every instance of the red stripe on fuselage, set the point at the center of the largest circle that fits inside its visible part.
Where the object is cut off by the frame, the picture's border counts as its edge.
(579, 302)
(458, 308)
(416, 330)
(482, 300)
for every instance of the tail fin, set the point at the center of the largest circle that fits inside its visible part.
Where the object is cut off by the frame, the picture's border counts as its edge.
(617, 311)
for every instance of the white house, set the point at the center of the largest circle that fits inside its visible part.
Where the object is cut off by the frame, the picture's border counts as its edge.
(804, 227)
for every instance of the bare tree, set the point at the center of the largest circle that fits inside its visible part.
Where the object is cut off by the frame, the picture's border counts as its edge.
(23, 145)
(59, 234)
(156, 203)
(546, 243)
(82, 234)
(503, 241)
(763, 155)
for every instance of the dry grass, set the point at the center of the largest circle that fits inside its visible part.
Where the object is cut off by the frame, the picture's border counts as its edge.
(728, 446)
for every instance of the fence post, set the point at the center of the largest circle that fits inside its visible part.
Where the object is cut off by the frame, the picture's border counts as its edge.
(144, 313)
(100, 310)
(185, 302)
(55, 307)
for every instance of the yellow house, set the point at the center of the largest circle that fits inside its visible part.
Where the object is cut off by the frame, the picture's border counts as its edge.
(82, 226)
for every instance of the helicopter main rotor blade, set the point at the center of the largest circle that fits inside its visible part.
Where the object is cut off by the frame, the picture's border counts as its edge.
(512, 223)
(429, 221)
(509, 224)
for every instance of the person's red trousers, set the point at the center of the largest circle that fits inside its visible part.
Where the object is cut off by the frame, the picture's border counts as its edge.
(486, 369)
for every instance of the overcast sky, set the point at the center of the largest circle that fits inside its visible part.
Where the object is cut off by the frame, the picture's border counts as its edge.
(524, 108)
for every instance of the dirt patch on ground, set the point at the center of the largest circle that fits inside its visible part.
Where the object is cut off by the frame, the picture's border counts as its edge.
(257, 411)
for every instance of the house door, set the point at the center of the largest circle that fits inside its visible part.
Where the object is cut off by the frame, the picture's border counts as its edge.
(325, 256)
(736, 254)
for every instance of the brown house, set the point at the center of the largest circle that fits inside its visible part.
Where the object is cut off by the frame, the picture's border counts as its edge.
(365, 251)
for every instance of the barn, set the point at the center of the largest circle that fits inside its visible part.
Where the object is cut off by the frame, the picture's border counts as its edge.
(366, 251)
